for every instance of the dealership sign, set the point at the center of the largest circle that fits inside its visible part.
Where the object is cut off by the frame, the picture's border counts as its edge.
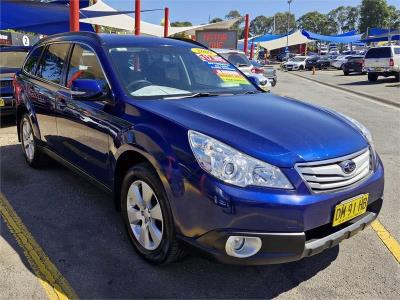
(217, 38)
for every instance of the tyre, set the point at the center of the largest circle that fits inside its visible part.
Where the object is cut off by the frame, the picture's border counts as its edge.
(397, 77)
(346, 73)
(301, 68)
(29, 143)
(148, 217)
(372, 77)
(273, 82)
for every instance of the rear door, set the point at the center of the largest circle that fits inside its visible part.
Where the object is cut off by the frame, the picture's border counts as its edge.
(44, 87)
(84, 126)
(378, 58)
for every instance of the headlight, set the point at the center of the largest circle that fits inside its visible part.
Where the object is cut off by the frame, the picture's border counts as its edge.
(232, 166)
(364, 130)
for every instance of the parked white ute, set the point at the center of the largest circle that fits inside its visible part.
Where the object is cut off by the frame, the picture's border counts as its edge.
(295, 63)
(382, 61)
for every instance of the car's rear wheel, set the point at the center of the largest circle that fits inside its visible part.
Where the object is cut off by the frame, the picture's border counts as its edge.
(148, 217)
(346, 73)
(372, 77)
(29, 144)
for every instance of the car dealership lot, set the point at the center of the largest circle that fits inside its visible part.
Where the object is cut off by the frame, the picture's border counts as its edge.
(386, 88)
(79, 230)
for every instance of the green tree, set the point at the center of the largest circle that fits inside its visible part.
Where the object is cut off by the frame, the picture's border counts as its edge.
(343, 19)
(233, 14)
(281, 20)
(393, 20)
(261, 25)
(216, 20)
(181, 24)
(316, 22)
(373, 13)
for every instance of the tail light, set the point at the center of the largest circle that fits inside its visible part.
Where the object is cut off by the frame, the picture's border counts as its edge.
(391, 62)
(17, 87)
(257, 71)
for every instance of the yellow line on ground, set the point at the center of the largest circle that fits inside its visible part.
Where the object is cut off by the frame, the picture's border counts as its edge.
(389, 241)
(54, 284)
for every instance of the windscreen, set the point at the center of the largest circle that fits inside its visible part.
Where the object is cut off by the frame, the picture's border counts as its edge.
(382, 52)
(12, 59)
(167, 71)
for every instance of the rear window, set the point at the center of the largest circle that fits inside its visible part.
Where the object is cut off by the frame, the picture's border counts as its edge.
(237, 59)
(382, 52)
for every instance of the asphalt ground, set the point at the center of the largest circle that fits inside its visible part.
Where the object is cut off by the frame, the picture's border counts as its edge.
(386, 88)
(80, 232)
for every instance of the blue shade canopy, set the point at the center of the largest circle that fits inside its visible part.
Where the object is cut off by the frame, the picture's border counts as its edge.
(394, 36)
(47, 17)
(344, 38)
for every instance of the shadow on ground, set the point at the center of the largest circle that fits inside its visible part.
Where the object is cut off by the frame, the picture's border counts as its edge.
(379, 82)
(7, 121)
(79, 229)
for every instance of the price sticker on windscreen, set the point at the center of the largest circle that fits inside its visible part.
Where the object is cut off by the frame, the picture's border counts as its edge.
(220, 66)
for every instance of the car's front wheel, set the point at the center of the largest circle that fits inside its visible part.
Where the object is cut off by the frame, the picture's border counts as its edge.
(148, 217)
(29, 144)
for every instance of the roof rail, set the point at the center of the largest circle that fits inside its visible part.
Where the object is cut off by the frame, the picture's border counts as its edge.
(72, 33)
(188, 41)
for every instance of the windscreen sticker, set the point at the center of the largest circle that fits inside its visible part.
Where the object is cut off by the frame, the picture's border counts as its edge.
(220, 66)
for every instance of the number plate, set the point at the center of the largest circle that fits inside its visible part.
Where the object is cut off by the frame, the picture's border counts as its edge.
(350, 209)
(2, 102)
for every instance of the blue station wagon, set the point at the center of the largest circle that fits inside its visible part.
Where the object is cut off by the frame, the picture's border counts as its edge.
(193, 152)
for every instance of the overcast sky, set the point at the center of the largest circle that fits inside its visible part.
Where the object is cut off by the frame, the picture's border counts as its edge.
(199, 11)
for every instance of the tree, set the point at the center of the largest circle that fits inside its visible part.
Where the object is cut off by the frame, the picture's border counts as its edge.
(393, 20)
(181, 24)
(261, 25)
(343, 19)
(233, 14)
(315, 22)
(373, 13)
(281, 20)
(216, 20)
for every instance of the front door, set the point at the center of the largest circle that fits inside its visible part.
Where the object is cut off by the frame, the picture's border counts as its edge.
(83, 126)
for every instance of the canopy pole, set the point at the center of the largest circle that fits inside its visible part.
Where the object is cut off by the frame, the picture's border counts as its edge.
(96, 27)
(137, 17)
(166, 21)
(74, 15)
(246, 33)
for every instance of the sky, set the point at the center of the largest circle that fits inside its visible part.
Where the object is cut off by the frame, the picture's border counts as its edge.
(199, 11)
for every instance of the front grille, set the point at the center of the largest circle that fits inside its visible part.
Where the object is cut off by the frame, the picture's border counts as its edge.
(328, 175)
(5, 83)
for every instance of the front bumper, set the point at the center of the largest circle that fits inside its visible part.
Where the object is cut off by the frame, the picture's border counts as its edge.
(285, 247)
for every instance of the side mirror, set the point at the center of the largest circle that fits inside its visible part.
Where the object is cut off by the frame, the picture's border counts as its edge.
(254, 80)
(86, 89)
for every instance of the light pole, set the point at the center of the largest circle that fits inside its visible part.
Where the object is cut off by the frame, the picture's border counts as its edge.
(288, 24)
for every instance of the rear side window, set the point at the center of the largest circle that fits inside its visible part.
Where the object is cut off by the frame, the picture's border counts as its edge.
(382, 52)
(32, 61)
(52, 62)
(84, 65)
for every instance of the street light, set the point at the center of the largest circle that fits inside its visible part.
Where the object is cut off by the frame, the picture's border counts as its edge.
(287, 31)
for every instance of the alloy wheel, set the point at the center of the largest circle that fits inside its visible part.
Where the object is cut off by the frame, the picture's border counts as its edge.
(27, 139)
(144, 215)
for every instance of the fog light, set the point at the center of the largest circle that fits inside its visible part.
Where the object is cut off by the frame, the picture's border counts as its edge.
(242, 246)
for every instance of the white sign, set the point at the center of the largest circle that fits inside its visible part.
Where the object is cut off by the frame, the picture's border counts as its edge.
(25, 40)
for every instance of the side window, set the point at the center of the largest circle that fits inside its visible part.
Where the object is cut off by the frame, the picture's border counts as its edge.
(84, 65)
(32, 61)
(396, 50)
(52, 62)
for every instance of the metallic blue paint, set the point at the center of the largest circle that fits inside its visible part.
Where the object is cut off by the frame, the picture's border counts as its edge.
(95, 135)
